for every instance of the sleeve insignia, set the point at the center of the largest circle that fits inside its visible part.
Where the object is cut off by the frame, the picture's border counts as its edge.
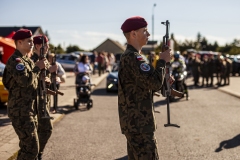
(20, 67)
(145, 67)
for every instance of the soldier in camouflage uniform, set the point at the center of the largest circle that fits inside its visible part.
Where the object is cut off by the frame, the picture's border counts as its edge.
(20, 79)
(44, 124)
(137, 81)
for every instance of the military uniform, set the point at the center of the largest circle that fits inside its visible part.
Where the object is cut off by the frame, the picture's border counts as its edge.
(20, 78)
(136, 82)
(45, 126)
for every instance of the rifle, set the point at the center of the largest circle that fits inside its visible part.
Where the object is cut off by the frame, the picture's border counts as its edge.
(54, 83)
(166, 90)
(43, 89)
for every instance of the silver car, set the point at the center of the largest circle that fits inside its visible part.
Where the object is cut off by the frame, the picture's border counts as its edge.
(67, 61)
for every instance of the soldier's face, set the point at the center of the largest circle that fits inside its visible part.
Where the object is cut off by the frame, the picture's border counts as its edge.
(142, 35)
(26, 44)
(46, 47)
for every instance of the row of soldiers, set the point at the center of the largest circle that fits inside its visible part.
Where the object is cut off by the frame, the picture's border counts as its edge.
(207, 67)
(28, 110)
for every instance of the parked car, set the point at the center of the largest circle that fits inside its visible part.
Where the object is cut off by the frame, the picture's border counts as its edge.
(3, 90)
(112, 79)
(67, 61)
(236, 65)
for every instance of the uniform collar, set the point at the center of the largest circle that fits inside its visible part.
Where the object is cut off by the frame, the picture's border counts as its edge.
(18, 53)
(130, 47)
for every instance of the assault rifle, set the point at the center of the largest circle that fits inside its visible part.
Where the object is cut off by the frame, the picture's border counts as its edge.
(166, 90)
(54, 83)
(43, 89)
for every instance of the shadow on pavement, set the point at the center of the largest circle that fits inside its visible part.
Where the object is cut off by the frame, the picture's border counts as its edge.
(228, 144)
(103, 92)
(164, 102)
(123, 158)
(67, 109)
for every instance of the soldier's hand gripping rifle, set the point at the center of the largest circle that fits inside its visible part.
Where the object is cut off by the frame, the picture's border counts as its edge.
(166, 90)
(54, 83)
(43, 89)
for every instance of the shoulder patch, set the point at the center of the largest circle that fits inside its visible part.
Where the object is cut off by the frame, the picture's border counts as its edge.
(20, 66)
(139, 58)
(145, 67)
(18, 59)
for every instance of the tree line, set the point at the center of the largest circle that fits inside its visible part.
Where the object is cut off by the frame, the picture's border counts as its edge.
(200, 44)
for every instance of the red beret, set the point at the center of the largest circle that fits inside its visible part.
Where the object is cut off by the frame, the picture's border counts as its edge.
(22, 34)
(133, 23)
(39, 40)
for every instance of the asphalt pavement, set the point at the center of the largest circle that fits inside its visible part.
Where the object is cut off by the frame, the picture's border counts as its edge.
(9, 140)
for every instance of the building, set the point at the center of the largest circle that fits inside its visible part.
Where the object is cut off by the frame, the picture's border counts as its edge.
(110, 46)
(149, 47)
(7, 44)
(9, 31)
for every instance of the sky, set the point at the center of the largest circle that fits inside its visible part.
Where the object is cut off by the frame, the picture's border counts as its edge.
(88, 23)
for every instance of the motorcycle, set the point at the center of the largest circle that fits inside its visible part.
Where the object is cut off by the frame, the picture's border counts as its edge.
(179, 75)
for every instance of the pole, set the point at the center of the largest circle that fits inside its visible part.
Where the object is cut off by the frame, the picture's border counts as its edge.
(154, 5)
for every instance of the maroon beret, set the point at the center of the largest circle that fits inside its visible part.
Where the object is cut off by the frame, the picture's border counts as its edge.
(39, 40)
(22, 34)
(133, 23)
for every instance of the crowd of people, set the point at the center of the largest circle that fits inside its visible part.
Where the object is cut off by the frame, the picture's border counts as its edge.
(102, 62)
(209, 66)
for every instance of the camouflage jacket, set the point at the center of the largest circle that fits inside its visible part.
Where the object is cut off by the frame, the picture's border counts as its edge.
(20, 78)
(136, 82)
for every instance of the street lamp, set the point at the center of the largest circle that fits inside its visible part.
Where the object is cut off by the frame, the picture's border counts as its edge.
(154, 5)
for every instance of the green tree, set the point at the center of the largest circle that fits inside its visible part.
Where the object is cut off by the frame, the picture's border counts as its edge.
(59, 49)
(73, 48)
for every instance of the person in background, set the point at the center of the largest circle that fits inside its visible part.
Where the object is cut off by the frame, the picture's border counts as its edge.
(82, 71)
(60, 73)
(195, 67)
(111, 60)
(100, 59)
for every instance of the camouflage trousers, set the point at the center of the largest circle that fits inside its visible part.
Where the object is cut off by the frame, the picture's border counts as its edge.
(26, 129)
(45, 126)
(142, 146)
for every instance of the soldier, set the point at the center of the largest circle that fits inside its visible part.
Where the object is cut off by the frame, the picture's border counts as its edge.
(44, 124)
(20, 79)
(137, 81)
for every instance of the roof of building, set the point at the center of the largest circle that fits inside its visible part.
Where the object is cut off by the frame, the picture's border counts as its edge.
(5, 31)
(110, 45)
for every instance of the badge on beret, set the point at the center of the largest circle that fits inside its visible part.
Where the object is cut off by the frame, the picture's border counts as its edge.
(139, 58)
(18, 59)
(145, 67)
(20, 67)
